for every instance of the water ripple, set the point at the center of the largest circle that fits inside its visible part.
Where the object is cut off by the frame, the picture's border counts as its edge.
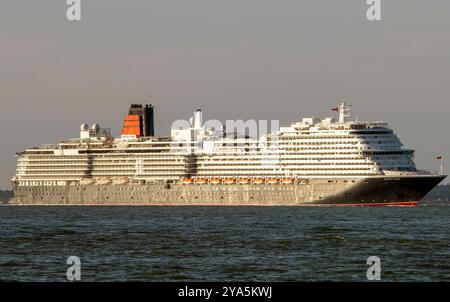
(224, 244)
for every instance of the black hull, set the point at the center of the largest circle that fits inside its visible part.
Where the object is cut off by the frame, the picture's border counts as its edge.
(387, 190)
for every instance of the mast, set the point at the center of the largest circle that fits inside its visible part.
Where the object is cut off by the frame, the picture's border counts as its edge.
(344, 112)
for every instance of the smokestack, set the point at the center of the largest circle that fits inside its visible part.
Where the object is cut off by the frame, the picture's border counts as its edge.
(198, 119)
(149, 121)
(141, 119)
(133, 122)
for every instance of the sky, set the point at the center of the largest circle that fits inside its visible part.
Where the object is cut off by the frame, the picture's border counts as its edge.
(246, 59)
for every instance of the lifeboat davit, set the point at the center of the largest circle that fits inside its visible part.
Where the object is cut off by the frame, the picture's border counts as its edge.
(272, 181)
(201, 181)
(288, 180)
(229, 181)
(187, 180)
(244, 181)
(258, 181)
(216, 181)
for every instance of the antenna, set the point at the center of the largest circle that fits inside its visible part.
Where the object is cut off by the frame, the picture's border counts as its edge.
(441, 166)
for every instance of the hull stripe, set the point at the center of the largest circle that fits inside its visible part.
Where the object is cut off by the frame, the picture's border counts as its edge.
(384, 204)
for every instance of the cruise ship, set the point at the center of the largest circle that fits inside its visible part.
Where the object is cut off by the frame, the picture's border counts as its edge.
(312, 162)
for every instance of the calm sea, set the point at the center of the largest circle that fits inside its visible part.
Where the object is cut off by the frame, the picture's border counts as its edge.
(224, 243)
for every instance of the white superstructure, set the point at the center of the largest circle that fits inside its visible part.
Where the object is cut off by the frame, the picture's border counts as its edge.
(312, 148)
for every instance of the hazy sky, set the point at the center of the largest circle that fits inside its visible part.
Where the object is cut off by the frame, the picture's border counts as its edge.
(248, 59)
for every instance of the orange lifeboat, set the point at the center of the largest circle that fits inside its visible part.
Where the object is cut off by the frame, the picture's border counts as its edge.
(258, 181)
(216, 181)
(187, 180)
(229, 181)
(272, 181)
(244, 181)
(288, 180)
(201, 181)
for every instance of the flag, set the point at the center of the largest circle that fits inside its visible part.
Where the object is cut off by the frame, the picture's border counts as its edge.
(335, 109)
